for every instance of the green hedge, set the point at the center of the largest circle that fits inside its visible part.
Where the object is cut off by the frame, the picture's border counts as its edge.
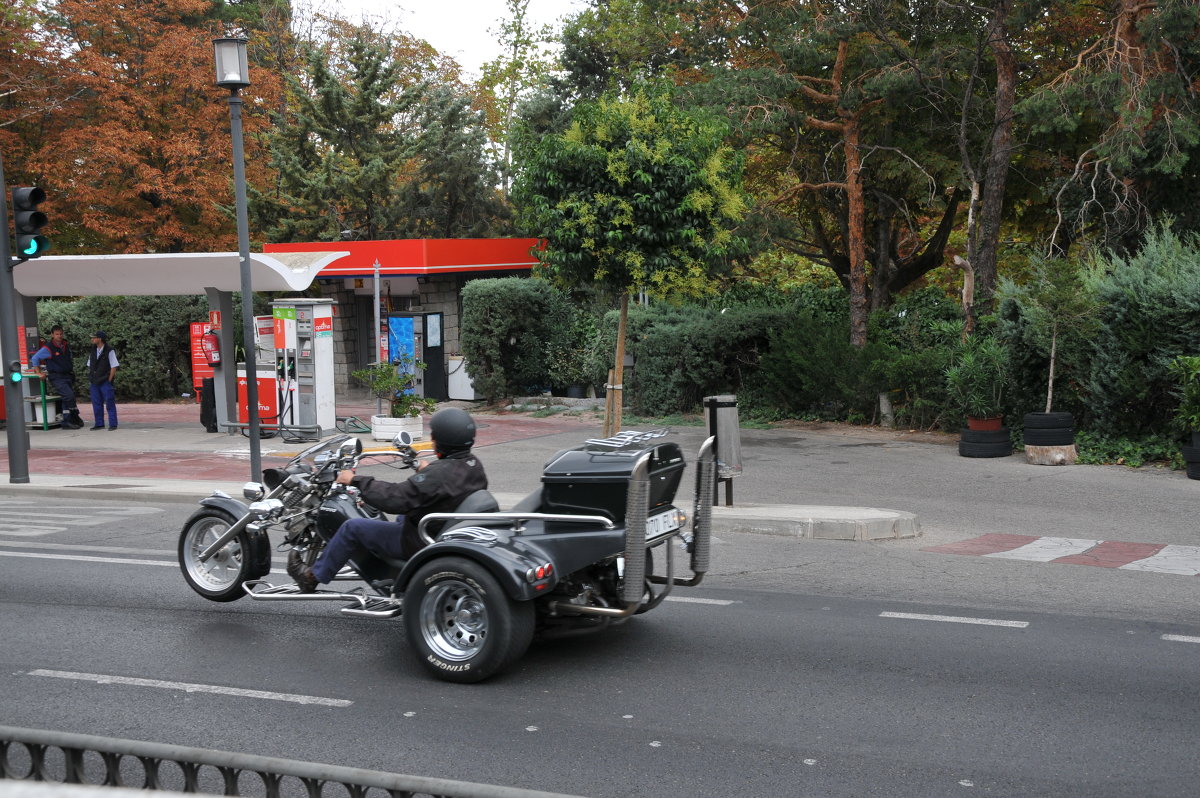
(508, 326)
(150, 334)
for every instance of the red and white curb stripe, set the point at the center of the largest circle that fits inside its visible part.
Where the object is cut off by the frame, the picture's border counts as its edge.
(1160, 558)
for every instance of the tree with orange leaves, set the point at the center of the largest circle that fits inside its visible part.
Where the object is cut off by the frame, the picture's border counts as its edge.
(134, 151)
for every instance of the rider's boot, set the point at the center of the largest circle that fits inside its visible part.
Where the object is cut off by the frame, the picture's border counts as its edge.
(297, 570)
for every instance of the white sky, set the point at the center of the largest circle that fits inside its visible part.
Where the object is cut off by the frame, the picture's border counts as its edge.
(457, 28)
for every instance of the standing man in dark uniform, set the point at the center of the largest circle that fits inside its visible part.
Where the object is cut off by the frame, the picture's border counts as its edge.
(438, 486)
(102, 367)
(53, 360)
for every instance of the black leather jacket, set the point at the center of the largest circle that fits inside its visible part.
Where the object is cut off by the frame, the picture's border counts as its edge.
(437, 488)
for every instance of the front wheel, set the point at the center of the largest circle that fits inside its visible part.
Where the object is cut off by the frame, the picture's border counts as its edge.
(221, 577)
(461, 623)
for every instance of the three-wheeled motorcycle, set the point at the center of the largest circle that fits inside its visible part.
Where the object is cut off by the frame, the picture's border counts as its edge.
(575, 554)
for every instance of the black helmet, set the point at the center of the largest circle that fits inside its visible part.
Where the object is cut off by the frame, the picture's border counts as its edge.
(452, 428)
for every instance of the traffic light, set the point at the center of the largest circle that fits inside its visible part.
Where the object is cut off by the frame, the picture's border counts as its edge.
(14, 372)
(28, 220)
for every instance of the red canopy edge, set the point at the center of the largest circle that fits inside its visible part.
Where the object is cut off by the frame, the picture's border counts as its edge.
(418, 256)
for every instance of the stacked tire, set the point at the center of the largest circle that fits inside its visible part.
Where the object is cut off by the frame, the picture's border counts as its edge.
(1049, 429)
(1050, 439)
(985, 443)
(1191, 455)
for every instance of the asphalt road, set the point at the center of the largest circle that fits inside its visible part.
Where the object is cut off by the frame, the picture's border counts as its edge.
(802, 671)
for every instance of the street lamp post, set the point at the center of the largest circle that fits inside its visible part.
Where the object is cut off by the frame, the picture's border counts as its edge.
(233, 73)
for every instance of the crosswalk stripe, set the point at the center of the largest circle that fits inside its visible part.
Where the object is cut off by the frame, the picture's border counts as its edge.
(1149, 557)
(1046, 549)
(1170, 560)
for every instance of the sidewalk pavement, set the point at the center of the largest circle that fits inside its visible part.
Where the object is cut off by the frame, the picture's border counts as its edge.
(161, 453)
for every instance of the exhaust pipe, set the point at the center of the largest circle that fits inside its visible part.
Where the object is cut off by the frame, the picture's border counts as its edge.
(637, 507)
(706, 473)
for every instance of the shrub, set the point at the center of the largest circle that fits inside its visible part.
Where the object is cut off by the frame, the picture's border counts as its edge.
(682, 354)
(507, 326)
(1150, 314)
(150, 334)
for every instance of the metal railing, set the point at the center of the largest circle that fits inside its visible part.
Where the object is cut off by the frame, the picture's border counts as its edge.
(61, 757)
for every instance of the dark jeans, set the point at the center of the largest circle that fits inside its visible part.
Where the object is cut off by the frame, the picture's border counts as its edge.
(357, 537)
(104, 396)
(64, 386)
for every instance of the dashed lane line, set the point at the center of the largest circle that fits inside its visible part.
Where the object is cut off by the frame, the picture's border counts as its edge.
(193, 688)
(1181, 639)
(915, 616)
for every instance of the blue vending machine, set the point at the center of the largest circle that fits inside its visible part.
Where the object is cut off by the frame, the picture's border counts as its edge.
(419, 336)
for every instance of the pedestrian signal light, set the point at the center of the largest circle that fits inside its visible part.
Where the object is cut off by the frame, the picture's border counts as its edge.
(28, 220)
(14, 372)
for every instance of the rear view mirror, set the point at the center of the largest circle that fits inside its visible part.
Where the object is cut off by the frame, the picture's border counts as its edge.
(403, 438)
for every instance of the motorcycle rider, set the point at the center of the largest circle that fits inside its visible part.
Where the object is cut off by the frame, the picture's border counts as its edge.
(438, 486)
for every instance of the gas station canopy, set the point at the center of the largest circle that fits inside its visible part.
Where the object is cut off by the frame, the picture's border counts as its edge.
(169, 274)
(421, 256)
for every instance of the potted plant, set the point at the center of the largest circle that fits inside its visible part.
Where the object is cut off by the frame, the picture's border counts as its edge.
(393, 383)
(1186, 369)
(976, 379)
(975, 382)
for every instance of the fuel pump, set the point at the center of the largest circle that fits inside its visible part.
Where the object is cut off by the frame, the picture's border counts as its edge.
(303, 357)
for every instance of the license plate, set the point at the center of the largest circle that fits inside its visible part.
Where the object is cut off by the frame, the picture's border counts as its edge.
(661, 524)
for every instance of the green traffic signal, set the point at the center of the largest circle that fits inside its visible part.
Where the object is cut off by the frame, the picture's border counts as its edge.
(28, 221)
(14, 372)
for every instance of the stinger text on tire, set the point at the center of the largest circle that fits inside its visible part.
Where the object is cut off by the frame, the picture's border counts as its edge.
(968, 449)
(221, 577)
(461, 624)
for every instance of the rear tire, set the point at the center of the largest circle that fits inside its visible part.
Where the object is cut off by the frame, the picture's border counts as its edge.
(461, 623)
(221, 577)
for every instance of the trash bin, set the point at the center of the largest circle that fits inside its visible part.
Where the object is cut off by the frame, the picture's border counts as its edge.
(723, 425)
(208, 404)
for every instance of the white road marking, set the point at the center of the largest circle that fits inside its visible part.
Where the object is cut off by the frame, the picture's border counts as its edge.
(26, 531)
(1181, 639)
(1046, 549)
(13, 511)
(194, 688)
(695, 600)
(1170, 560)
(25, 544)
(913, 616)
(83, 558)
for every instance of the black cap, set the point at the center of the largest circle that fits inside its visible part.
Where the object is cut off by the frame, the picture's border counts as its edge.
(103, 336)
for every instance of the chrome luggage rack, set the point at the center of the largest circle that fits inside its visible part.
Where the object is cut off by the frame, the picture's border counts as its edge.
(628, 438)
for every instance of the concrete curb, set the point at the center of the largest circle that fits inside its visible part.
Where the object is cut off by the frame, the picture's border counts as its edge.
(783, 520)
(818, 523)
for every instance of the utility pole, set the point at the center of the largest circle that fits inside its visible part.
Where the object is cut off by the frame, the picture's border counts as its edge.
(14, 410)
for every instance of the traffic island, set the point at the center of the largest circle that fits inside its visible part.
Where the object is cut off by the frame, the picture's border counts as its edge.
(817, 522)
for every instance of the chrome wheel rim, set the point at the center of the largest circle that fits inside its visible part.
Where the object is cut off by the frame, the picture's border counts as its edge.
(454, 620)
(223, 568)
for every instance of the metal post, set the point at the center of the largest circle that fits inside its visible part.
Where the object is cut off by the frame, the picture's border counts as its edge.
(243, 232)
(378, 337)
(17, 435)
